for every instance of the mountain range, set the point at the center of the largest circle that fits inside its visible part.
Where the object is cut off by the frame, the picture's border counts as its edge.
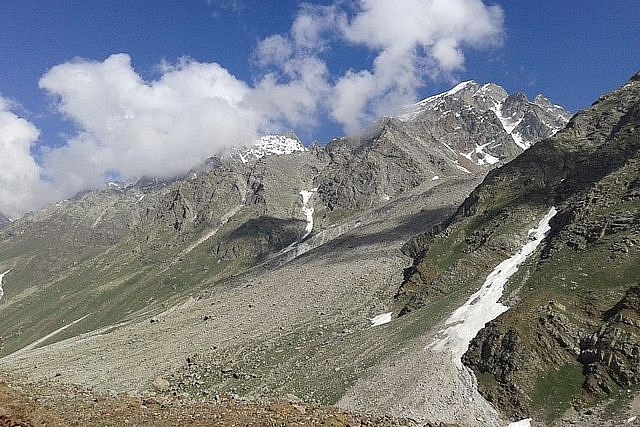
(335, 273)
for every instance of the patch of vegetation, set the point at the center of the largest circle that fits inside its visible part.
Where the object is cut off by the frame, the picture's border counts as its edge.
(486, 381)
(555, 391)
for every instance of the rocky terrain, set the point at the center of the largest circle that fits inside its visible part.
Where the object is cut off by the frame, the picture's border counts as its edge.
(110, 255)
(330, 274)
(569, 340)
(49, 405)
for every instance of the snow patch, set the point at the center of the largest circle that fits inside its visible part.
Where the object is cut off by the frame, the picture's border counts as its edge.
(509, 124)
(520, 142)
(271, 145)
(483, 306)
(631, 419)
(1, 278)
(307, 210)
(522, 423)
(435, 178)
(381, 319)
(483, 158)
(467, 155)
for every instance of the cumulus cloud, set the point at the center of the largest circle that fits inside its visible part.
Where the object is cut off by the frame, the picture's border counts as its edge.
(413, 40)
(127, 126)
(20, 184)
(274, 50)
(292, 96)
(315, 25)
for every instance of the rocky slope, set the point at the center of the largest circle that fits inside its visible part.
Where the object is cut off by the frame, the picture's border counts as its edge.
(46, 404)
(569, 340)
(137, 246)
(258, 272)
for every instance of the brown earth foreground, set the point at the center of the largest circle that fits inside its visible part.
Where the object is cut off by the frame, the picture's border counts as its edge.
(47, 404)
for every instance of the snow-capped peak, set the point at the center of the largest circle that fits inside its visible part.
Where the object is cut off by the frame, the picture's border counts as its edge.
(271, 145)
(415, 109)
(457, 88)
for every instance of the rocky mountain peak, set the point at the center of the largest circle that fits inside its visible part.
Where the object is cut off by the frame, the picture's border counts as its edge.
(481, 124)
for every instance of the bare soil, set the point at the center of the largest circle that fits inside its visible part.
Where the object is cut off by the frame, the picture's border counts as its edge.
(48, 404)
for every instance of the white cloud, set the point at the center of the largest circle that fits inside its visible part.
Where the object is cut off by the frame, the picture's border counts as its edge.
(128, 127)
(131, 127)
(274, 50)
(413, 40)
(20, 184)
(314, 25)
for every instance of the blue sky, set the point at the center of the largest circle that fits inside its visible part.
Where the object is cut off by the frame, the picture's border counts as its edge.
(345, 52)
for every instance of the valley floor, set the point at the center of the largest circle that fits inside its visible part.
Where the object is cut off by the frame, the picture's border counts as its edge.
(302, 328)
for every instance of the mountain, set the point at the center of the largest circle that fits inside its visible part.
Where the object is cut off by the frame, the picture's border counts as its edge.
(131, 246)
(259, 272)
(568, 344)
(475, 111)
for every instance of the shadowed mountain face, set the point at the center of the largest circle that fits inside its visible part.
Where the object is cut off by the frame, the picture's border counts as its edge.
(570, 336)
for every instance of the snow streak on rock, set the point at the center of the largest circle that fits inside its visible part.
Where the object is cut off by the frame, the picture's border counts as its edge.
(307, 210)
(483, 306)
(1, 278)
(483, 158)
(308, 213)
(509, 124)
